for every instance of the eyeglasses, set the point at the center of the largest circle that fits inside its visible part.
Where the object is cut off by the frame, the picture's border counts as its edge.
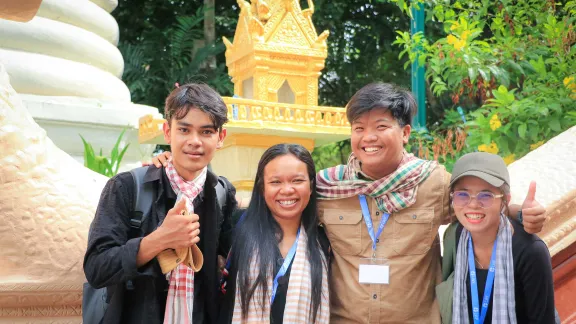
(463, 198)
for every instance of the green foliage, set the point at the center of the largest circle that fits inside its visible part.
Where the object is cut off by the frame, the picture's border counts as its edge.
(360, 46)
(332, 154)
(445, 144)
(509, 63)
(161, 57)
(102, 164)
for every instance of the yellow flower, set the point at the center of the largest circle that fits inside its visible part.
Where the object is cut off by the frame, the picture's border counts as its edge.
(492, 148)
(495, 122)
(455, 25)
(509, 159)
(465, 35)
(451, 39)
(570, 84)
(536, 145)
(459, 45)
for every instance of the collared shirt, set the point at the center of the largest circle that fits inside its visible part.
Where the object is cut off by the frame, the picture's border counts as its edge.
(409, 242)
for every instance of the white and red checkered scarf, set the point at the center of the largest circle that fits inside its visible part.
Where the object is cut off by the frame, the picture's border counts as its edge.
(180, 301)
(393, 192)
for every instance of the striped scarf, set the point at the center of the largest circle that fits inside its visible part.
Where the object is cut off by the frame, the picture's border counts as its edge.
(180, 301)
(393, 192)
(298, 297)
(503, 299)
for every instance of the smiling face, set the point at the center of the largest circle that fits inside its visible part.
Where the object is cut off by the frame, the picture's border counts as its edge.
(476, 219)
(378, 141)
(287, 187)
(193, 141)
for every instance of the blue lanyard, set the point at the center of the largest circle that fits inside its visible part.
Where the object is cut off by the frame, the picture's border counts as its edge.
(368, 221)
(285, 266)
(479, 317)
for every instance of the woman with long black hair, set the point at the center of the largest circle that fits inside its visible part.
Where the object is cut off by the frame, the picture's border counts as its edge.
(278, 265)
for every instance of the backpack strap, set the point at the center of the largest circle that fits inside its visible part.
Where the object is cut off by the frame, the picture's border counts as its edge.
(449, 255)
(143, 198)
(221, 193)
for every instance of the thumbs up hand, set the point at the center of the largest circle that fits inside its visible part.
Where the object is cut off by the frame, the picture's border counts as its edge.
(533, 213)
(179, 208)
(179, 229)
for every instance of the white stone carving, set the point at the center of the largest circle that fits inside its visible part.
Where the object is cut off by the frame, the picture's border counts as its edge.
(58, 39)
(553, 167)
(83, 14)
(66, 66)
(47, 201)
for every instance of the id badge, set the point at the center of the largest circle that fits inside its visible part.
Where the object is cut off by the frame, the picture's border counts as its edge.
(374, 271)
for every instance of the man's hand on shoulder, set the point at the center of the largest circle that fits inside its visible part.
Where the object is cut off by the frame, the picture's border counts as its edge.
(161, 159)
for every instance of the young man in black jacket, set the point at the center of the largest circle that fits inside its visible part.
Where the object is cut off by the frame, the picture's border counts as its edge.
(125, 261)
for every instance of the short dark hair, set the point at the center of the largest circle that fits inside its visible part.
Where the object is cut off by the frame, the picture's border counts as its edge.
(196, 95)
(399, 101)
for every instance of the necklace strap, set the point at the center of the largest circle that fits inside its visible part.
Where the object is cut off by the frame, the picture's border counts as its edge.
(478, 262)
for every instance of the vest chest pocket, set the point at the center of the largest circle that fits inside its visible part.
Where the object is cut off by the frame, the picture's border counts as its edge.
(343, 228)
(413, 230)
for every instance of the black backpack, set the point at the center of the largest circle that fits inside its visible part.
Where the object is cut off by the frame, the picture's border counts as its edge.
(96, 301)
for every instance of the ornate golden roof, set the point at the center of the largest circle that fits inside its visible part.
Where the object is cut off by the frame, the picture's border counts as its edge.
(276, 44)
(275, 62)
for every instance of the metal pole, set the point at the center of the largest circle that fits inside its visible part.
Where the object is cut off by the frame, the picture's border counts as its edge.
(418, 82)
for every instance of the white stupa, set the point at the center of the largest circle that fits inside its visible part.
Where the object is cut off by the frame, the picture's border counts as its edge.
(65, 65)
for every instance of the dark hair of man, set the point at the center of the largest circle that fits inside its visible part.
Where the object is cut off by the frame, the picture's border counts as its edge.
(196, 95)
(400, 102)
(259, 234)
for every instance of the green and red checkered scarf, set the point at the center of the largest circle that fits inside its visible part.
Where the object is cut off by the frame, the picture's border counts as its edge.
(393, 193)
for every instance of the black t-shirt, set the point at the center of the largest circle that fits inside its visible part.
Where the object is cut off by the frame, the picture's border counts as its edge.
(533, 282)
(277, 308)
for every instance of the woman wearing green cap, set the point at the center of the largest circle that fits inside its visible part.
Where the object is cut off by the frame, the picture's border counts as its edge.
(500, 273)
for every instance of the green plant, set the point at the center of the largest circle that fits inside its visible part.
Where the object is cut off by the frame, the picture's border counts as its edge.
(509, 63)
(102, 164)
(332, 154)
(174, 54)
(443, 144)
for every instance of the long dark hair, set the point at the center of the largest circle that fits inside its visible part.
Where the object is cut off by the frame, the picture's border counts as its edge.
(257, 235)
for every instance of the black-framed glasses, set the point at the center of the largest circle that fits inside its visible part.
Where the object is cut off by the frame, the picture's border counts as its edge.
(463, 198)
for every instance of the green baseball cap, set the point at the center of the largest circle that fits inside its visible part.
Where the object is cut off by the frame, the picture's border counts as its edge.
(486, 166)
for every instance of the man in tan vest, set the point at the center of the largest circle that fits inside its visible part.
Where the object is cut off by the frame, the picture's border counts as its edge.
(382, 212)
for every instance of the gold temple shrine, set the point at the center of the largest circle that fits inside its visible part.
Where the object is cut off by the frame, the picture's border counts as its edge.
(275, 62)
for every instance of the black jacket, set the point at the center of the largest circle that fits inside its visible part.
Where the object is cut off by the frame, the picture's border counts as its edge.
(110, 259)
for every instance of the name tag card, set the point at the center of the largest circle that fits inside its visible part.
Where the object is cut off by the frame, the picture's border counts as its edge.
(374, 271)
